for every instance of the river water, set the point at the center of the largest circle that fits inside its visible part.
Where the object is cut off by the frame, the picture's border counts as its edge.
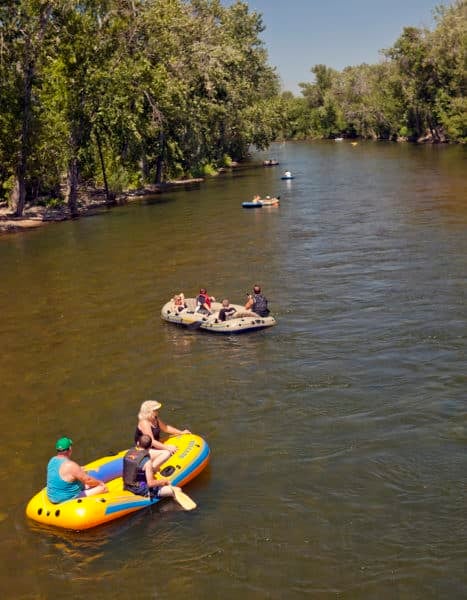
(338, 437)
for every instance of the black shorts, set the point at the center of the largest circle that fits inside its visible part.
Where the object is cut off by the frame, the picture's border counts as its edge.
(142, 489)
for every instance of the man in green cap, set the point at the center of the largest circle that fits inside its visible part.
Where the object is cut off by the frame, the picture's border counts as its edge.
(66, 479)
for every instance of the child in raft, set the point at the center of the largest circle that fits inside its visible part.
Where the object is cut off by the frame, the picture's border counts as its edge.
(179, 302)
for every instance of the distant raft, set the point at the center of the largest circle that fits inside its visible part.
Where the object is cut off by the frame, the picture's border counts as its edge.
(241, 322)
(262, 202)
(270, 201)
(252, 204)
(187, 462)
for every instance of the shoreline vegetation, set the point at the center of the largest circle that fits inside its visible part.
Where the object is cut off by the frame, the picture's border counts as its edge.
(174, 90)
(91, 202)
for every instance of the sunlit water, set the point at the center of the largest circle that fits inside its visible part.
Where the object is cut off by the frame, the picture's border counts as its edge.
(338, 437)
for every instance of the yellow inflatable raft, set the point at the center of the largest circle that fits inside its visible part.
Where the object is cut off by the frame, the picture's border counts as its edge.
(189, 460)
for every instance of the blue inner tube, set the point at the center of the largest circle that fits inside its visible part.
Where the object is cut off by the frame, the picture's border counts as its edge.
(252, 204)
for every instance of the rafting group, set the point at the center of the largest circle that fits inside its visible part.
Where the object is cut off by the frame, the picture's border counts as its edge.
(259, 202)
(153, 469)
(204, 312)
(78, 497)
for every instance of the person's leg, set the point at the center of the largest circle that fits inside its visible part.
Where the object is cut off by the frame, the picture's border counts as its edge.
(99, 489)
(165, 491)
(177, 494)
(158, 457)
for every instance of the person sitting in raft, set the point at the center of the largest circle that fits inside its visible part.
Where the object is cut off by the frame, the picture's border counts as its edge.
(257, 199)
(257, 302)
(287, 174)
(179, 302)
(203, 302)
(227, 311)
(138, 472)
(150, 424)
(66, 479)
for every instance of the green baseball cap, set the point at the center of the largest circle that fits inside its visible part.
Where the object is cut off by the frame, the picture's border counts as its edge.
(64, 443)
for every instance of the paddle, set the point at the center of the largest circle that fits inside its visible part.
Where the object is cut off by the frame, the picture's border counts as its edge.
(185, 501)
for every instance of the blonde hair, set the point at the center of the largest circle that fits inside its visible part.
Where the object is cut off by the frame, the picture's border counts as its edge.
(147, 408)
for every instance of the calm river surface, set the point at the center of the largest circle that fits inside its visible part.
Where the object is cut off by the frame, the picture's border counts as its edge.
(338, 438)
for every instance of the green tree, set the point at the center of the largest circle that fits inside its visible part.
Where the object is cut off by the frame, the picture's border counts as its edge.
(431, 65)
(23, 30)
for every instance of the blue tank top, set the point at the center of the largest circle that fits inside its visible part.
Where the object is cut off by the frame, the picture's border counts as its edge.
(59, 490)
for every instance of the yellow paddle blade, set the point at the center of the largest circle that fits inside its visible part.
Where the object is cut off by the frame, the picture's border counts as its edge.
(185, 501)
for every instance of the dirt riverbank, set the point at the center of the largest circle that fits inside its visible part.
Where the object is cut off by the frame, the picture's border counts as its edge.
(90, 203)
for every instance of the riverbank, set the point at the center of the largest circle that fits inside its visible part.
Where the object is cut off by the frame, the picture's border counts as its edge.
(91, 202)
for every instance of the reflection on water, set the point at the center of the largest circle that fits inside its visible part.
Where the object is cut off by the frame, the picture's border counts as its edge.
(338, 437)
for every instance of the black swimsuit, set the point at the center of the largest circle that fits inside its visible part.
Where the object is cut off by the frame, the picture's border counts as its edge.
(155, 429)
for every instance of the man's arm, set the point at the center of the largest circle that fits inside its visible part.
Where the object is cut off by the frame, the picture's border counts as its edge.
(249, 303)
(80, 474)
(148, 469)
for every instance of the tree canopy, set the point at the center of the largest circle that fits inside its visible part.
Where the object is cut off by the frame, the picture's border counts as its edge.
(416, 92)
(126, 92)
(121, 93)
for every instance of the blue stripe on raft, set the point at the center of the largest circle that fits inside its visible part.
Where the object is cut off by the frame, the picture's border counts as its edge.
(108, 471)
(133, 503)
(130, 503)
(193, 466)
(114, 469)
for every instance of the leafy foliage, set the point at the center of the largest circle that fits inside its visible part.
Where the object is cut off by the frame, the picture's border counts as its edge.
(417, 92)
(125, 92)
(120, 93)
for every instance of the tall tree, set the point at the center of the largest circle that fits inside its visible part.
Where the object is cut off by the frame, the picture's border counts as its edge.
(24, 25)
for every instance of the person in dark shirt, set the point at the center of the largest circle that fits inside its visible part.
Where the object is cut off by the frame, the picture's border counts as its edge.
(138, 472)
(227, 311)
(138, 476)
(257, 302)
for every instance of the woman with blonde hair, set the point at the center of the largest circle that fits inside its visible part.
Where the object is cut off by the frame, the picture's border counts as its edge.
(149, 423)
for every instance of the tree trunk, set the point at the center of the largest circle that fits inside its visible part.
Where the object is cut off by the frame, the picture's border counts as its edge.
(160, 158)
(73, 186)
(19, 190)
(18, 196)
(110, 198)
(145, 170)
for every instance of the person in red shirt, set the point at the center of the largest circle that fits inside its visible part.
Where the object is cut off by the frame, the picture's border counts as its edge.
(203, 302)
